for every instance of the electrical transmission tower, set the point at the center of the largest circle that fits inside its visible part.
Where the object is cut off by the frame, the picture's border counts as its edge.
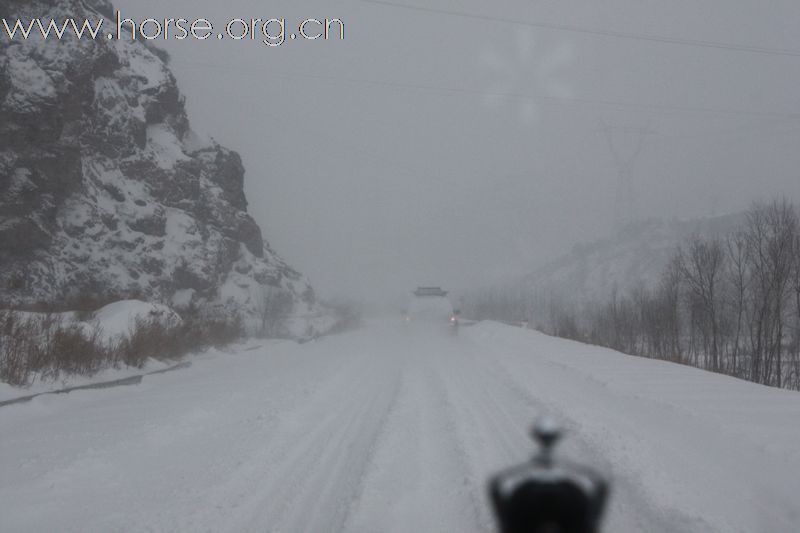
(625, 200)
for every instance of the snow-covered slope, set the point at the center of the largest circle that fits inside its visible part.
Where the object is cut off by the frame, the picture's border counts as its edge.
(637, 254)
(395, 430)
(104, 187)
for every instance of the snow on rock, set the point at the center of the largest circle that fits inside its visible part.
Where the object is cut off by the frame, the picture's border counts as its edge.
(105, 189)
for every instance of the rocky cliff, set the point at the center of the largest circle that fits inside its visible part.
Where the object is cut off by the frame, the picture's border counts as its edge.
(104, 187)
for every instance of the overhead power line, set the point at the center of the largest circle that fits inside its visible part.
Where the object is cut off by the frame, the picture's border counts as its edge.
(595, 31)
(502, 95)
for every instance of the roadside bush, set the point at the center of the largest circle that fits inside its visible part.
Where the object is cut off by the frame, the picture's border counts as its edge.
(44, 347)
(154, 339)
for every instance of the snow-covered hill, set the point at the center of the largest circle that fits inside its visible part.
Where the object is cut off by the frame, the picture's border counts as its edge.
(637, 254)
(104, 187)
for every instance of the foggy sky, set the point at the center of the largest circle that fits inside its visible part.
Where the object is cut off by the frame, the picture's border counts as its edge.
(409, 153)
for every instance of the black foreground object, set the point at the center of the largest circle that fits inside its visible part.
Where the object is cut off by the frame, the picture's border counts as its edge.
(548, 496)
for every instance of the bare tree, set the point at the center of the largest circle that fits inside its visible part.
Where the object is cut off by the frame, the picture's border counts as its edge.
(669, 292)
(738, 275)
(701, 265)
(771, 238)
(727, 304)
(795, 363)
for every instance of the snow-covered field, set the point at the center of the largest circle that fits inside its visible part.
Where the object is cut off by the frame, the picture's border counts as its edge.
(386, 429)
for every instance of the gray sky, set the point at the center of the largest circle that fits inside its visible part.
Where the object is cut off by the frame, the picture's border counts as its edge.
(443, 149)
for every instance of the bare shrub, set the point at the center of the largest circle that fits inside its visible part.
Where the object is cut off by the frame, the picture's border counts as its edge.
(274, 305)
(151, 338)
(44, 347)
(72, 351)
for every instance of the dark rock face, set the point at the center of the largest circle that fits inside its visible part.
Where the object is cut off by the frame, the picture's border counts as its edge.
(104, 187)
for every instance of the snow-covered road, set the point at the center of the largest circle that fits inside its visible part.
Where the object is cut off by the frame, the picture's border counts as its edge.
(390, 430)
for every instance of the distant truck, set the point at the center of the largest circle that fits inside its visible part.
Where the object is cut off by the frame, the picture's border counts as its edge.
(430, 305)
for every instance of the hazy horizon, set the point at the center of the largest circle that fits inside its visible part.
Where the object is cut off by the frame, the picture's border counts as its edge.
(446, 149)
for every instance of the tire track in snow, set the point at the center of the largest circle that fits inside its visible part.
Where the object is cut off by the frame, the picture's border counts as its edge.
(419, 479)
(249, 428)
(311, 476)
(488, 437)
(374, 430)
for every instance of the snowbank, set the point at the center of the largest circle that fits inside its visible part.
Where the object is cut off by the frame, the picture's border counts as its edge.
(118, 319)
(712, 452)
(7, 392)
